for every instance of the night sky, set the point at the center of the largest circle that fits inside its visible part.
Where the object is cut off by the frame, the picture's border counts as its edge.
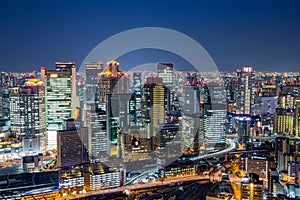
(263, 34)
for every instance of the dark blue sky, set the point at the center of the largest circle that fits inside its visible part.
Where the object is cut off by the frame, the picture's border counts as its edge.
(264, 34)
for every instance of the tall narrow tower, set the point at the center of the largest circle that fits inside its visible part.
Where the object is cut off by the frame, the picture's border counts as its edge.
(245, 94)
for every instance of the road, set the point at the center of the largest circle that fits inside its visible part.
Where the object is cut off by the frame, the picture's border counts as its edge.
(173, 181)
(232, 146)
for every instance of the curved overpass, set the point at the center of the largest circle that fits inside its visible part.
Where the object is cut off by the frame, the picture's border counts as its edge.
(232, 147)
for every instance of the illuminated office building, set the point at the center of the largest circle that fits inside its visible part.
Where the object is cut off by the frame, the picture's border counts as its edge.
(259, 163)
(117, 110)
(60, 87)
(284, 121)
(297, 118)
(135, 108)
(97, 132)
(212, 114)
(244, 92)
(113, 83)
(27, 114)
(215, 128)
(286, 150)
(111, 80)
(268, 90)
(191, 96)
(92, 69)
(165, 71)
(137, 82)
(4, 103)
(252, 189)
(155, 106)
(71, 150)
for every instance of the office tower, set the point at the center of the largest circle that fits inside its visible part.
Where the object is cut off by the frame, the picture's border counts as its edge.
(97, 132)
(135, 109)
(27, 114)
(252, 189)
(60, 88)
(212, 114)
(117, 107)
(297, 118)
(243, 128)
(286, 150)
(137, 83)
(268, 90)
(268, 105)
(215, 128)
(155, 106)
(2, 79)
(284, 121)
(169, 140)
(111, 80)
(70, 147)
(4, 103)
(244, 93)
(259, 163)
(165, 71)
(92, 69)
(191, 100)
(293, 90)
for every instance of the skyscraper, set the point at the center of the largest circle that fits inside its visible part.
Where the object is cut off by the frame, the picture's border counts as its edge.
(112, 82)
(213, 114)
(284, 121)
(165, 71)
(155, 106)
(97, 132)
(92, 69)
(27, 114)
(60, 87)
(297, 118)
(4, 103)
(244, 92)
(70, 147)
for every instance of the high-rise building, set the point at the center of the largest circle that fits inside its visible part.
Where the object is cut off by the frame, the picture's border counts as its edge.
(92, 69)
(70, 146)
(212, 114)
(4, 103)
(27, 114)
(113, 83)
(215, 128)
(137, 83)
(135, 101)
(165, 71)
(244, 92)
(60, 88)
(111, 80)
(284, 121)
(252, 189)
(97, 132)
(259, 163)
(117, 110)
(191, 96)
(268, 90)
(155, 106)
(286, 150)
(297, 118)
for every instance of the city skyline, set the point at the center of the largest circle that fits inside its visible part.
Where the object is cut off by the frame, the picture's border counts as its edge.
(149, 100)
(235, 34)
